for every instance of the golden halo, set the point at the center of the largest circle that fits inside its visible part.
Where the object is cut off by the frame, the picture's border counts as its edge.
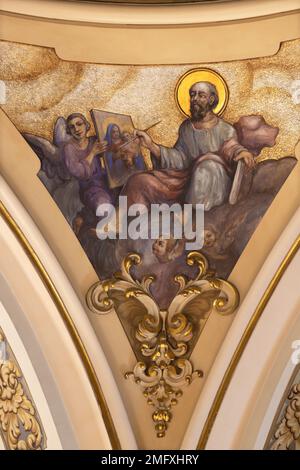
(184, 84)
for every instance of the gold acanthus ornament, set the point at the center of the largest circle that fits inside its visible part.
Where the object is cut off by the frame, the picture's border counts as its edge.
(19, 425)
(287, 434)
(164, 337)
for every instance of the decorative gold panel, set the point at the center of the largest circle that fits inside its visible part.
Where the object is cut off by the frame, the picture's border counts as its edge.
(164, 337)
(20, 424)
(285, 429)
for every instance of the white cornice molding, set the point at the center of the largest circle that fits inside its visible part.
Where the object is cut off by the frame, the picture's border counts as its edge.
(146, 15)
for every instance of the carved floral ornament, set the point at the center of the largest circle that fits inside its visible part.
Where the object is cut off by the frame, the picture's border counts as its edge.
(164, 338)
(20, 425)
(287, 432)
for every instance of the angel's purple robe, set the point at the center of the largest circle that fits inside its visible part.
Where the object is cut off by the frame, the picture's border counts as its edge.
(93, 186)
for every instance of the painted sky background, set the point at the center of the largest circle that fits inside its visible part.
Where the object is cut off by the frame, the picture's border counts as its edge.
(41, 87)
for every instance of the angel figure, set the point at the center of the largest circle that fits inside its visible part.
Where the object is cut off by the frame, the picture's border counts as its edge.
(62, 186)
(69, 167)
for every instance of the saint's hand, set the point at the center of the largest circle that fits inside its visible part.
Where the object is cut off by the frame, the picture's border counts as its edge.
(147, 142)
(247, 157)
(144, 138)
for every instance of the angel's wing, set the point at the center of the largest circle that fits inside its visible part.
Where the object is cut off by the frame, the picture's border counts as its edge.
(60, 135)
(43, 147)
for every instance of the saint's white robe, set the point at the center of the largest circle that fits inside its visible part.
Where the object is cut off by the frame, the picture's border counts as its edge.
(211, 152)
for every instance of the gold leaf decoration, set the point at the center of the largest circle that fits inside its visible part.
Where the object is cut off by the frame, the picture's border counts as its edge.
(19, 422)
(164, 337)
(288, 430)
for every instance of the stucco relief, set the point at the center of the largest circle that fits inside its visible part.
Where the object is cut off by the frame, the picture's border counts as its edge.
(285, 431)
(20, 424)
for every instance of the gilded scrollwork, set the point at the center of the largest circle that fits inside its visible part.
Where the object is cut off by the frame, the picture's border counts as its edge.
(287, 432)
(20, 425)
(164, 338)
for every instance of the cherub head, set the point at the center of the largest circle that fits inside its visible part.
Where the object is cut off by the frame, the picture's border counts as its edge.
(210, 236)
(167, 249)
(126, 135)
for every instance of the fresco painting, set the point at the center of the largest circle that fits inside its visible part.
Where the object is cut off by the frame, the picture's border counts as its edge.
(233, 163)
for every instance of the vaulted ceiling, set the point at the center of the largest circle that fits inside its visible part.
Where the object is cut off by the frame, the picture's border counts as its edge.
(137, 343)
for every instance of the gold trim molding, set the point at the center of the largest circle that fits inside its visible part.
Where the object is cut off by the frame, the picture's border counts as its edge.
(164, 338)
(20, 424)
(243, 343)
(65, 314)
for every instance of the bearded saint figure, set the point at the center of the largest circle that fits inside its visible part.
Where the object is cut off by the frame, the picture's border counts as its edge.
(200, 166)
